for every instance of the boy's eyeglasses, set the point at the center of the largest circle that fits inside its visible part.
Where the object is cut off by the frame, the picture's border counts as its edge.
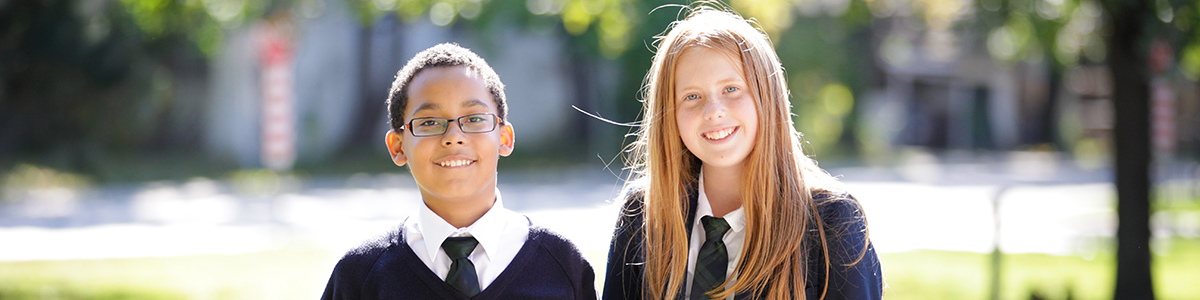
(475, 123)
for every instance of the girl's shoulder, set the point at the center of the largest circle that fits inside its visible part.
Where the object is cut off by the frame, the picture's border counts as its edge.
(633, 197)
(841, 214)
(845, 250)
(837, 205)
(633, 202)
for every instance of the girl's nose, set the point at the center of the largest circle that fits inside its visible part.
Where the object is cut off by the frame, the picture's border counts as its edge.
(714, 109)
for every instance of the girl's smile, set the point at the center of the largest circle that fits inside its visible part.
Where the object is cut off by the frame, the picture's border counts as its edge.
(719, 134)
(715, 110)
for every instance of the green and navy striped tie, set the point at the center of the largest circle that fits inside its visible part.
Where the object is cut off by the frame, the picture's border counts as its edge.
(462, 271)
(713, 258)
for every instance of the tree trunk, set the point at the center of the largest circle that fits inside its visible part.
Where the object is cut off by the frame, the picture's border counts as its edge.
(1131, 132)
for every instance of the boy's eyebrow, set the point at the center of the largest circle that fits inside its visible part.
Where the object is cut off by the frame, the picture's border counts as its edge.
(473, 102)
(434, 106)
(426, 106)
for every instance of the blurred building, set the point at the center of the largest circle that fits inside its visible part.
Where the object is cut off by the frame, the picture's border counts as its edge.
(343, 72)
(955, 93)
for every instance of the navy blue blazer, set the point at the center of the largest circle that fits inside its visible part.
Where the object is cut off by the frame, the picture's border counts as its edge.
(845, 231)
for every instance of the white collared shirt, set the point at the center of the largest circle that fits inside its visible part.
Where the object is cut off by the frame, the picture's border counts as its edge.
(500, 232)
(734, 239)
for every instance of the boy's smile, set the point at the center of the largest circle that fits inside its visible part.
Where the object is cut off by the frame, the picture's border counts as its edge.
(454, 166)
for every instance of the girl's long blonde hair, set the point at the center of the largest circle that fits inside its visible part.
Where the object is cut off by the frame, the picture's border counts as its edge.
(778, 180)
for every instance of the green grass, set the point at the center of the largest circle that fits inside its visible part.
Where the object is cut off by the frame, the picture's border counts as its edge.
(266, 275)
(951, 275)
(301, 274)
(1177, 272)
(958, 275)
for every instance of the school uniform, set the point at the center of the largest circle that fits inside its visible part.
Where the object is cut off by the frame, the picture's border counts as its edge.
(513, 259)
(845, 231)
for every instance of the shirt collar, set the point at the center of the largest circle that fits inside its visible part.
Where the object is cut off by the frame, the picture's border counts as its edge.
(487, 230)
(735, 218)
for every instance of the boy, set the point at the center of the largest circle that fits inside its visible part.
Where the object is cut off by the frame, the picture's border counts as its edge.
(448, 117)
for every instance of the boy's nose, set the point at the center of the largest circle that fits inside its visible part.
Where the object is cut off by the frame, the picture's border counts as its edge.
(454, 135)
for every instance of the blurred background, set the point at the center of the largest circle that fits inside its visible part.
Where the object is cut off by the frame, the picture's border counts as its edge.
(233, 149)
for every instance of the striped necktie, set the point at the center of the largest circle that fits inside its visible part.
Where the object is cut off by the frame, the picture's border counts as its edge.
(462, 271)
(713, 259)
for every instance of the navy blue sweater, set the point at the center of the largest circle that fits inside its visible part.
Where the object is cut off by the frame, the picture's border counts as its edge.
(845, 230)
(548, 266)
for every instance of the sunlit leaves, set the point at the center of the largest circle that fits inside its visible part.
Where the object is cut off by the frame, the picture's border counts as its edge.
(1062, 29)
(610, 20)
(615, 31)
(577, 17)
(772, 15)
(225, 11)
(1012, 41)
(148, 14)
(896, 50)
(821, 109)
(200, 21)
(1190, 63)
(940, 14)
(1079, 36)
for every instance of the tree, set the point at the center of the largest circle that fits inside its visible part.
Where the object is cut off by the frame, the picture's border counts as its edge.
(1135, 24)
(1131, 134)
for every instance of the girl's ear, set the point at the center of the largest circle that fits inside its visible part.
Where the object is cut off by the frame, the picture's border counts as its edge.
(507, 139)
(394, 142)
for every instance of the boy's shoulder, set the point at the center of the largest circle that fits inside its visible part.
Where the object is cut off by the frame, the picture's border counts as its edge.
(365, 255)
(552, 241)
(557, 249)
(352, 271)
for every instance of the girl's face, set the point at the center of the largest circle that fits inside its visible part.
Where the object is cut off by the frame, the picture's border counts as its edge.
(714, 109)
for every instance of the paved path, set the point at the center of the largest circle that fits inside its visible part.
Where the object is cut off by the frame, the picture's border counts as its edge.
(942, 207)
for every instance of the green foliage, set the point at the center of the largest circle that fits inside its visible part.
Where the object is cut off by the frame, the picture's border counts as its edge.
(199, 21)
(608, 22)
(1063, 30)
(31, 177)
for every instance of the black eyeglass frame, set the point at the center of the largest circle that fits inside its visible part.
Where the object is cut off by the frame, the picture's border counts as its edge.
(446, 126)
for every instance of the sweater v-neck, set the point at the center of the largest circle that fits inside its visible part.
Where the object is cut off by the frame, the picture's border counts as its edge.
(493, 291)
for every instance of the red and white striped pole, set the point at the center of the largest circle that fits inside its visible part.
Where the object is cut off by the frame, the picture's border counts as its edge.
(278, 139)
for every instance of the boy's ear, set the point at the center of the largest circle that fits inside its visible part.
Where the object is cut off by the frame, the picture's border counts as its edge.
(394, 141)
(507, 139)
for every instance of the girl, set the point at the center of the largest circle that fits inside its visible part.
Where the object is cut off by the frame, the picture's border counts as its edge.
(725, 204)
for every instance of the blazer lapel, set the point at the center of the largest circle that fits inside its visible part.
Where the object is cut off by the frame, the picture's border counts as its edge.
(690, 200)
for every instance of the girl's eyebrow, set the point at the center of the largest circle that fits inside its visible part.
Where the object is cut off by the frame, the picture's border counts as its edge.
(727, 80)
(731, 80)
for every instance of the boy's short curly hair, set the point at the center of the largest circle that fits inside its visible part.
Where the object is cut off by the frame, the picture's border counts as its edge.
(441, 55)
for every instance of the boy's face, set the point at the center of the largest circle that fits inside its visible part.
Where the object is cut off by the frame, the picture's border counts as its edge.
(453, 165)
